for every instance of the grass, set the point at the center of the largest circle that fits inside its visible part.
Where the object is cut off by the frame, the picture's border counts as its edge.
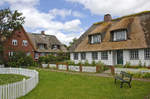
(58, 85)
(10, 78)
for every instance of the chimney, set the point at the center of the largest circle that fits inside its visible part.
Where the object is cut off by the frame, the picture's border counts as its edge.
(43, 32)
(107, 18)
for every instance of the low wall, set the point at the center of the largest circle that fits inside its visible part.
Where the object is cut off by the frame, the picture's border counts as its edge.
(21, 88)
(63, 66)
(118, 70)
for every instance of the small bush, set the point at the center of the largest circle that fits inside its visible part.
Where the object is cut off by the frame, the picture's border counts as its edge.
(128, 64)
(93, 63)
(86, 63)
(70, 62)
(140, 64)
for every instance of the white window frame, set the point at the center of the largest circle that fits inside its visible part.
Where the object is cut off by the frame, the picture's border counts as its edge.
(14, 42)
(24, 43)
(147, 54)
(120, 35)
(83, 55)
(95, 55)
(95, 39)
(104, 55)
(134, 54)
(10, 53)
(75, 56)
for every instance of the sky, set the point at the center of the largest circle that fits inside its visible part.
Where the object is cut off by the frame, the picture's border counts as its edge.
(68, 19)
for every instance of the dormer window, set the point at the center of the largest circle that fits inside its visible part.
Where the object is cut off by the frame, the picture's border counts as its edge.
(119, 35)
(42, 46)
(93, 39)
(54, 47)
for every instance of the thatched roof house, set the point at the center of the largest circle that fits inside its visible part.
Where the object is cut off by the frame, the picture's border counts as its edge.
(49, 41)
(136, 28)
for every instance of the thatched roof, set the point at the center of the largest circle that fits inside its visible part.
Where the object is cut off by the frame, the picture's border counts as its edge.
(48, 40)
(137, 25)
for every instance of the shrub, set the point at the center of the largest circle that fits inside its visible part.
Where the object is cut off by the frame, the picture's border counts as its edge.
(20, 59)
(41, 59)
(93, 63)
(140, 64)
(140, 75)
(70, 62)
(103, 67)
(128, 64)
(86, 63)
(1, 62)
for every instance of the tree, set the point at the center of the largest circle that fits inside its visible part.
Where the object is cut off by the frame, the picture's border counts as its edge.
(9, 21)
(71, 43)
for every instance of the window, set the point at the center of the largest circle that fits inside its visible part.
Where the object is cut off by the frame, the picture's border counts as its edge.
(10, 53)
(42, 46)
(147, 53)
(75, 56)
(24, 43)
(94, 55)
(28, 53)
(104, 55)
(54, 47)
(83, 56)
(36, 55)
(14, 42)
(134, 54)
(120, 35)
(95, 38)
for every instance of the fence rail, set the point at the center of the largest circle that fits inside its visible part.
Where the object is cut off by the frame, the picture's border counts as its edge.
(21, 88)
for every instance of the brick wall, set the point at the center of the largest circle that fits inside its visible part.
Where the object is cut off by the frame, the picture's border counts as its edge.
(18, 35)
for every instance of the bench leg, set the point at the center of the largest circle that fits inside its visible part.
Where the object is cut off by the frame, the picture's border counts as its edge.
(121, 85)
(129, 85)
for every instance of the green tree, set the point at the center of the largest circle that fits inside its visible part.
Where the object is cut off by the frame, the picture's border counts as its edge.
(9, 21)
(72, 42)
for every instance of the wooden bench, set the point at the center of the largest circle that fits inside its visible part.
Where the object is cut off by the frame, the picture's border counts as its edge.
(124, 78)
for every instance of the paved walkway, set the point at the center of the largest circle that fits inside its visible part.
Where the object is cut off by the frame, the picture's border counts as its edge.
(96, 74)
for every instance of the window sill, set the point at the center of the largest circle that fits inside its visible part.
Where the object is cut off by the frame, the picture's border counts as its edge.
(118, 40)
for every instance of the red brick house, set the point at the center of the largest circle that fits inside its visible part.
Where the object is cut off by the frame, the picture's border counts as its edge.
(33, 44)
(18, 41)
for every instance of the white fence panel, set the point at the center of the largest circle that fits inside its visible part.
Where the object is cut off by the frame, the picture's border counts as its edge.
(88, 69)
(118, 70)
(62, 67)
(18, 89)
(44, 65)
(74, 68)
(52, 65)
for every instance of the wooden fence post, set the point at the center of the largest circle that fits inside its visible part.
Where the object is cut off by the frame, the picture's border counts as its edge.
(112, 70)
(80, 68)
(97, 68)
(67, 67)
(56, 65)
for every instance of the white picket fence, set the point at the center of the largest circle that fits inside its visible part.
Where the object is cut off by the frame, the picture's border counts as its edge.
(21, 88)
(71, 67)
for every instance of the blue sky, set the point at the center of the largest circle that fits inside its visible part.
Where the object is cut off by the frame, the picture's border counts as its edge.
(68, 19)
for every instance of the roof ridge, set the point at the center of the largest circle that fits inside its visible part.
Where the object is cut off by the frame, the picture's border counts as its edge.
(130, 15)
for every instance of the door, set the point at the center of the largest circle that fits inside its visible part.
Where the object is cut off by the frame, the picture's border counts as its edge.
(119, 57)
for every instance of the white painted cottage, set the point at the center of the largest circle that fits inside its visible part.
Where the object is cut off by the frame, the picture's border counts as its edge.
(116, 41)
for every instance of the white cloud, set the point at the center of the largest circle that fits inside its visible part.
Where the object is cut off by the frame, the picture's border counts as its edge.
(34, 19)
(114, 7)
(65, 12)
(61, 12)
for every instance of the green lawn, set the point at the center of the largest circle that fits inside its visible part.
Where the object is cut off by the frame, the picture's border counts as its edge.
(58, 85)
(10, 78)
